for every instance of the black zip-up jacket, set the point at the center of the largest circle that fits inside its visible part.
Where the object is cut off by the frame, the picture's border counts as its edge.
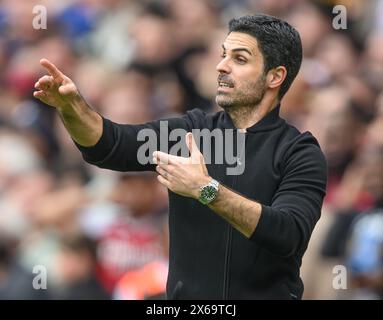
(285, 171)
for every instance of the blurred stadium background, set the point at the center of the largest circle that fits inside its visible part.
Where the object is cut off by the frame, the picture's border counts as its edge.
(103, 234)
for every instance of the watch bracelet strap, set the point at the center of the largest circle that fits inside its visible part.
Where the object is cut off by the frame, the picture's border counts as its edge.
(214, 183)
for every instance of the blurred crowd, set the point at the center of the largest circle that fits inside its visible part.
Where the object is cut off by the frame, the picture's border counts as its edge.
(102, 234)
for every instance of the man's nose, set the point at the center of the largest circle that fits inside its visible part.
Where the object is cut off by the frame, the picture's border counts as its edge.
(223, 66)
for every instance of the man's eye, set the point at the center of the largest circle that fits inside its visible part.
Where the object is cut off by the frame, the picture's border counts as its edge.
(223, 55)
(241, 60)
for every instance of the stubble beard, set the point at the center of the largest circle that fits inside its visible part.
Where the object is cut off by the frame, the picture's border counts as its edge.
(249, 96)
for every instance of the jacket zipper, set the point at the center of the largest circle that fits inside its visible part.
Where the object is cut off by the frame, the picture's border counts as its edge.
(227, 262)
(226, 278)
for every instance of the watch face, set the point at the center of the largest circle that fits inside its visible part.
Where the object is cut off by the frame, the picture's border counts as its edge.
(208, 193)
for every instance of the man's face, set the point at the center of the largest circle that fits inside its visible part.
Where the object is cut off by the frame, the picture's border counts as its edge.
(241, 81)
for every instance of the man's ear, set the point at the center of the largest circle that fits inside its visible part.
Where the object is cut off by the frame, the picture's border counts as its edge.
(276, 76)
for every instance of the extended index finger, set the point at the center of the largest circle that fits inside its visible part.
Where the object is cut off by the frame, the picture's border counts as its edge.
(52, 69)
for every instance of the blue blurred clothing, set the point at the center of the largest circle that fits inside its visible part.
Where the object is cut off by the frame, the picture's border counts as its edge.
(367, 243)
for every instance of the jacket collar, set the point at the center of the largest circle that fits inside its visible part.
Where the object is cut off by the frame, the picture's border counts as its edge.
(270, 121)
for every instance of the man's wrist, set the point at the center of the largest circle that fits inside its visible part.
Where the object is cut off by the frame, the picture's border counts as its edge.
(203, 182)
(208, 192)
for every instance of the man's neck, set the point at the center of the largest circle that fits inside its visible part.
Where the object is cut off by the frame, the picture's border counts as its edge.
(247, 116)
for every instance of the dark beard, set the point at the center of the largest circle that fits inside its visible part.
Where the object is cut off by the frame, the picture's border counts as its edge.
(241, 101)
(236, 104)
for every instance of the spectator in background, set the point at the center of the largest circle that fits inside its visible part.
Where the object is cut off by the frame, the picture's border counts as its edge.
(364, 257)
(149, 281)
(339, 128)
(15, 281)
(76, 270)
(135, 238)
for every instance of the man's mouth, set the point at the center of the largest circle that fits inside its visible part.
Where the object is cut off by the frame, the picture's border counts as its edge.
(225, 84)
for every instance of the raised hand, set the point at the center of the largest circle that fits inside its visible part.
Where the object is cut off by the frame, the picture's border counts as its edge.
(55, 89)
(183, 176)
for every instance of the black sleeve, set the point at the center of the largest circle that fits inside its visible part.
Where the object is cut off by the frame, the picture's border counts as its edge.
(286, 225)
(120, 144)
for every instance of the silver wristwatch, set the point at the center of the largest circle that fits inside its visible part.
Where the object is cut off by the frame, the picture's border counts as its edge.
(209, 192)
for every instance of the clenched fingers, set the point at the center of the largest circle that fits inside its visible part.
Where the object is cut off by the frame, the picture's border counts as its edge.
(45, 83)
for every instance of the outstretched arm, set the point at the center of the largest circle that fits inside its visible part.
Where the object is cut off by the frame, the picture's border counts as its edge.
(102, 142)
(57, 90)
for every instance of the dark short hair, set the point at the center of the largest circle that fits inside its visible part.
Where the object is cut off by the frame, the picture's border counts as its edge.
(279, 43)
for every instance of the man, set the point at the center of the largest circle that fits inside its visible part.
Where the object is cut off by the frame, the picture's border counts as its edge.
(245, 237)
